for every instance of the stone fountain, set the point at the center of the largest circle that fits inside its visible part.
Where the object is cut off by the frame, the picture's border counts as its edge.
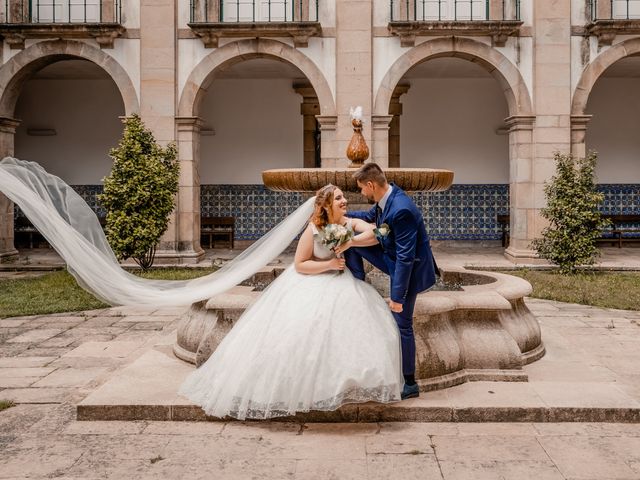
(472, 326)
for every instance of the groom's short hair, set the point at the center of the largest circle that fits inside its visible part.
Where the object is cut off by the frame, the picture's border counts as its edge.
(370, 172)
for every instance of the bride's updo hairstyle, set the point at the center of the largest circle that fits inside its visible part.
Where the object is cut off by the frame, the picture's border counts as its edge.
(324, 201)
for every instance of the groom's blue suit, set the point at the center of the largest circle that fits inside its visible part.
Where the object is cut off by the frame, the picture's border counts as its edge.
(405, 255)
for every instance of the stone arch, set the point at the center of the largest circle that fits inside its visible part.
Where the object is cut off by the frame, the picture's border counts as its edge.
(26, 63)
(595, 69)
(236, 52)
(499, 66)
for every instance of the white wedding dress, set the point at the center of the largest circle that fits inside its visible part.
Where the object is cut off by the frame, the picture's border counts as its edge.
(310, 342)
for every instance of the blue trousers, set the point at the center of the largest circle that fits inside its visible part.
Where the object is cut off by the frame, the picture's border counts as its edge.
(374, 255)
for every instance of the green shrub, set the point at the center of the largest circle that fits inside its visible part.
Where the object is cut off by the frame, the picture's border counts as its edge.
(139, 193)
(572, 210)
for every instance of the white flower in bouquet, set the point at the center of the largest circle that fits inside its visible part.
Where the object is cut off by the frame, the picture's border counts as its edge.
(333, 235)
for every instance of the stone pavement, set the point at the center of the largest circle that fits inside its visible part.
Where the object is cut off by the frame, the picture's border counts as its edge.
(589, 373)
(48, 364)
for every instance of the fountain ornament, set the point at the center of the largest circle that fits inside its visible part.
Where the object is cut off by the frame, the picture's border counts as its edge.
(312, 179)
(480, 330)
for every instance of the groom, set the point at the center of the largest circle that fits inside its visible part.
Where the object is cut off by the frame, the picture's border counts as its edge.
(403, 253)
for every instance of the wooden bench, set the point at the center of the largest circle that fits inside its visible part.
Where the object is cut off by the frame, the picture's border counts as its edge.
(623, 228)
(503, 223)
(218, 228)
(23, 227)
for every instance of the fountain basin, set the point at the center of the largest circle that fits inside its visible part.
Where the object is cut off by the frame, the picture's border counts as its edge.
(312, 179)
(481, 331)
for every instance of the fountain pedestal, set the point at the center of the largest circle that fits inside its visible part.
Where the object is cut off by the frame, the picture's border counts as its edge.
(480, 331)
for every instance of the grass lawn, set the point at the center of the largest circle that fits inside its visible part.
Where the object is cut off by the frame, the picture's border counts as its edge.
(4, 404)
(58, 292)
(600, 289)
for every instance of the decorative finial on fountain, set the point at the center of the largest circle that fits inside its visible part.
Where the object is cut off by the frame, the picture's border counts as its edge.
(357, 151)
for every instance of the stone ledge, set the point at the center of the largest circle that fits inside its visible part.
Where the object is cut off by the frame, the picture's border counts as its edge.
(147, 389)
(372, 413)
(498, 30)
(211, 32)
(606, 30)
(104, 33)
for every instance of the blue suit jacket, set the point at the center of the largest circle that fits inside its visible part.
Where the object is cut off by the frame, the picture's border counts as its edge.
(406, 250)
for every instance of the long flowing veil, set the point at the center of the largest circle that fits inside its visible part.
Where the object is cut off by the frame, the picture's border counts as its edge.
(72, 228)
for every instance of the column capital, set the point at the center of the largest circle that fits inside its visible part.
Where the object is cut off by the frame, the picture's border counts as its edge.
(520, 122)
(8, 125)
(399, 90)
(305, 90)
(381, 122)
(327, 122)
(189, 124)
(579, 122)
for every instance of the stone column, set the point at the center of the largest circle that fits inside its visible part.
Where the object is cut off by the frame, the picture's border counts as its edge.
(187, 213)
(354, 74)
(552, 131)
(395, 109)
(380, 143)
(578, 134)
(158, 101)
(522, 211)
(309, 109)
(330, 154)
(8, 251)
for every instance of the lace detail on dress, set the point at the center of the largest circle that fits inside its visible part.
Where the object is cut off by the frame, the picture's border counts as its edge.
(259, 411)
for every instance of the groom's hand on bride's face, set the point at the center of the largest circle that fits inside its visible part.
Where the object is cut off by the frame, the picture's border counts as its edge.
(395, 307)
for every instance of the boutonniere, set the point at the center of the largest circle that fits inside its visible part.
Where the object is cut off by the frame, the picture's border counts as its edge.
(382, 231)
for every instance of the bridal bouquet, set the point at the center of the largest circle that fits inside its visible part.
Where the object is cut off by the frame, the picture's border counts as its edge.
(333, 235)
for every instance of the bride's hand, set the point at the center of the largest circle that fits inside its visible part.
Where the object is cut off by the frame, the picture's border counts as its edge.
(340, 249)
(336, 264)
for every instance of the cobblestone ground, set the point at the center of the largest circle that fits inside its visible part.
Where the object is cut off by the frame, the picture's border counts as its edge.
(49, 363)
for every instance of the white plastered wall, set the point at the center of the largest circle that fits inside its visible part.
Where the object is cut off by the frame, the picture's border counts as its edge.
(84, 115)
(257, 125)
(451, 123)
(613, 129)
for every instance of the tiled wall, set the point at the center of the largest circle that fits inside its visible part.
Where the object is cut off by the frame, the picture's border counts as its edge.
(464, 212)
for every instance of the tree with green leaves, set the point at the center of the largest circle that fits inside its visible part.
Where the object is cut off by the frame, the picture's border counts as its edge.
(572, 210)
(139, 193)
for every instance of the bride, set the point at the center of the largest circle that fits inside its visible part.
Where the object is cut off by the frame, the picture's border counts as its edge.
(316, 338)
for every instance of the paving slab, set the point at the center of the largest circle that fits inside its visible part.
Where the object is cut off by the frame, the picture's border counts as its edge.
(36, 336)
(110, 349)
(25, 372)
(71, 377)
(589, 457)
(36, 395)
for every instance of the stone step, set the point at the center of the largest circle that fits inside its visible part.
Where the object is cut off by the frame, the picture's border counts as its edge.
(147, 390)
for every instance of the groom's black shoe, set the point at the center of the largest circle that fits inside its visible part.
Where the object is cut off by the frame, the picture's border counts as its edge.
(410, 391)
